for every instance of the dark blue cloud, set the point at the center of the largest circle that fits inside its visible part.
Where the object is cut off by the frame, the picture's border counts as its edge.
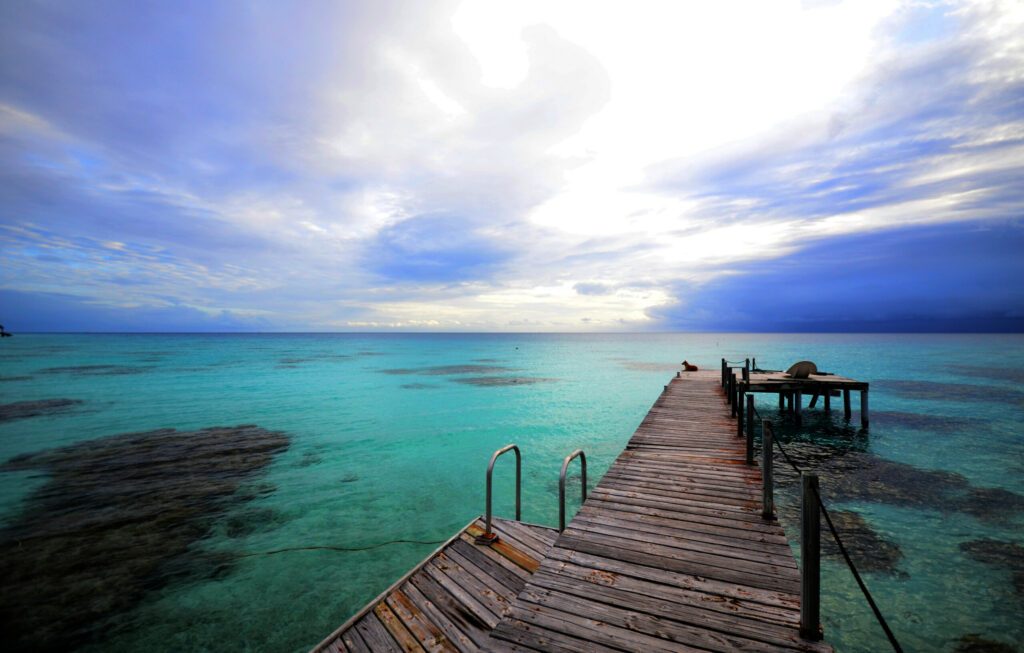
(434, 248)
(57, 312)
(953, 277)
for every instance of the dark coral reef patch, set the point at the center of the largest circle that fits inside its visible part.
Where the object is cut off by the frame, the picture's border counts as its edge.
(118, 518)
(36, 408)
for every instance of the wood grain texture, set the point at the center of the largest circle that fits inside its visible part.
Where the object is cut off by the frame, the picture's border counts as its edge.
(669, 552)
(454, 600)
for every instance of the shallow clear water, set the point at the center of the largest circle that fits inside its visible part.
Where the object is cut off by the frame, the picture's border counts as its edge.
(384, 448)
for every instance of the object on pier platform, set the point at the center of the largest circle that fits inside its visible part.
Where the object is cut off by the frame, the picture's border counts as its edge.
(802, 370)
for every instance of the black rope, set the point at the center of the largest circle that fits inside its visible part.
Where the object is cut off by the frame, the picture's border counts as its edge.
(338, 548)
(863, 588)
(846, 556)
(786, 456)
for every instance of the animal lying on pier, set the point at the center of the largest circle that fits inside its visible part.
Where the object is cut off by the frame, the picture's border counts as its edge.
(689, 367)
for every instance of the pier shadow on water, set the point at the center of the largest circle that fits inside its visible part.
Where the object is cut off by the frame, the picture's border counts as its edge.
(117, 519)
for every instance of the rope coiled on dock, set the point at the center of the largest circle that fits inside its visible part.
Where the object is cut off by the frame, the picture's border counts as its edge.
(846, 556)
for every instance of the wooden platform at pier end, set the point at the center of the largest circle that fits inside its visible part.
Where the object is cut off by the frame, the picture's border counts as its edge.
(453, 599)
(669, 552)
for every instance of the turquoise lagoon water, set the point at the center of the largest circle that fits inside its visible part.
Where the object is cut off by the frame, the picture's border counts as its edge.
(384, 447)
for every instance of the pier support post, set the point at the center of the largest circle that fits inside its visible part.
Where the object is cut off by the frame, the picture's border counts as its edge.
(767, 490)
(864, 408)
(846, 403)
(789, 402)
(782, 401)
(739, 412)
(828, 401)
(810, 558)
(798, 401)
(734, 387)
(750, 429)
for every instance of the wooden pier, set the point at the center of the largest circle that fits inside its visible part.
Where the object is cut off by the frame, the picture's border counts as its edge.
(452, 600)
(670, 552)
(742, 380)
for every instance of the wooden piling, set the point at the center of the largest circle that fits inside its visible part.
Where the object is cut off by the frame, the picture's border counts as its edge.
(846, 404)
(798, 401)
(750, 429)
(739, 412)
(733, 387)
(767, 490)
(810, 558)
(864, 408)
(828, 401)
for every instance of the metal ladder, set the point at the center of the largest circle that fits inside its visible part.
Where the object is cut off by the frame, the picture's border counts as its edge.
(490, 537)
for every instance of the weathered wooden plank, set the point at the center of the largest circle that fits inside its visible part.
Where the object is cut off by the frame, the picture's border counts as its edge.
(495, 570)
(511, 552)
(461, 585)
(592, 630)
(462, 615)
(707, 593)
(688, 609)
(496, 558)
(538, 638)
(376, 635)
(666, 557)
(640, 617)
(492, 594)
(697, 506)
(443, 620)
(683, 539)
(353, 641)
(429, 635)
(397, 629)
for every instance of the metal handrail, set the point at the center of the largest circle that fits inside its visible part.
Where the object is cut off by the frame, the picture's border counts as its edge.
(561, 484)
(488, 537)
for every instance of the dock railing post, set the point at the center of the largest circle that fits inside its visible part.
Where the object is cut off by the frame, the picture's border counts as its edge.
(489, 537)
(810, 558)
(734, 389)
(746, 369)
(561, 484)
(750, 429)
(723, 373)
(767, 492)
(864, 408)
(739, 413)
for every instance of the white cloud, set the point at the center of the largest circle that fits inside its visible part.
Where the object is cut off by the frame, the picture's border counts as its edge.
(577, 139)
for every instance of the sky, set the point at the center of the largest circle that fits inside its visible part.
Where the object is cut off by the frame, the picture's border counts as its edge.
(512, 166)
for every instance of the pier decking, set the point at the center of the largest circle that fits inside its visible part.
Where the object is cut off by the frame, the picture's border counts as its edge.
(453, 599)
(670, 552)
